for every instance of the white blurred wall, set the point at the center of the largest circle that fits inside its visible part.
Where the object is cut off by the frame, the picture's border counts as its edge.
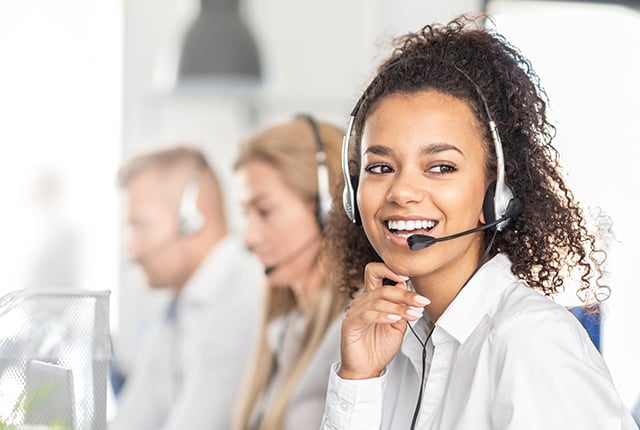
(60, 134)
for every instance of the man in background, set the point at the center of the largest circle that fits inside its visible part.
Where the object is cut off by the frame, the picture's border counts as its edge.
(192, 360)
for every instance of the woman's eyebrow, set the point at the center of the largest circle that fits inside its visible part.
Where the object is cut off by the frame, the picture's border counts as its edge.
(378, 150)
(432, 148)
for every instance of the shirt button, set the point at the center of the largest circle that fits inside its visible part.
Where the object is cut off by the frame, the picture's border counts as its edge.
(345, 406)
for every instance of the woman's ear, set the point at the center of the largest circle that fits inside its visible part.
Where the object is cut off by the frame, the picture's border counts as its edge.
(481, 218)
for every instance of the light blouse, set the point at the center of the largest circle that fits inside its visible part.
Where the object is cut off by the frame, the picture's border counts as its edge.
(501, 357)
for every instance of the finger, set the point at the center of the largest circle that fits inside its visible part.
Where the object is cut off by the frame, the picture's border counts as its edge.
(408, 295)
(385, 307)
(396, 293)
(376, 273)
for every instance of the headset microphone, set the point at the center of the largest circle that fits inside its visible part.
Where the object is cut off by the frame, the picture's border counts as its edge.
(419, 241)
(292, 256)
(268, 270)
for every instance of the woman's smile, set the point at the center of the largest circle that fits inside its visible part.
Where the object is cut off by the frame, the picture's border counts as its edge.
(398, 230)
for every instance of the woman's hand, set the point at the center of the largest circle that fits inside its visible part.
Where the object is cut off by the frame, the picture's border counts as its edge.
(375, 323)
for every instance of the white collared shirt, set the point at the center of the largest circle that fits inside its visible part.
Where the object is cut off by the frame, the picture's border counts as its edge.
(188, 373)
(501, 357)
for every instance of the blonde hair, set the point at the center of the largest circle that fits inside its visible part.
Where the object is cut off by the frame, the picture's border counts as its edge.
(291, 149)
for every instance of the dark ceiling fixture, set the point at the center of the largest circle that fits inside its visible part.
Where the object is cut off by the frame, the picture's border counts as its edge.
(219, 50)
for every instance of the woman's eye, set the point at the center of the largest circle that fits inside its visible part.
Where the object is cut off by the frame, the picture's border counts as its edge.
(442, 168)
(263, 213)
(379, 169)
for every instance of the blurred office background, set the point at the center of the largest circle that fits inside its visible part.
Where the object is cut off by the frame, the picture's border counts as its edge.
(84, 83)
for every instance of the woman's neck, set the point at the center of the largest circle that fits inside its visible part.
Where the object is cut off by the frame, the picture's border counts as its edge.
(306, 289)
(443, 286)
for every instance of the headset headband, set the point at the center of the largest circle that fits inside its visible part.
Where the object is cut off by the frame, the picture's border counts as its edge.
(502, 194)
(324, 195)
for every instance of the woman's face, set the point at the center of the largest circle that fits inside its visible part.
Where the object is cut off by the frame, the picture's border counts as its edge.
(281, 227)
(422, 172)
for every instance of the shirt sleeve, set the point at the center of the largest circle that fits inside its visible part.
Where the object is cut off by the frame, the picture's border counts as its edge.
(549, 375)
(353, 404)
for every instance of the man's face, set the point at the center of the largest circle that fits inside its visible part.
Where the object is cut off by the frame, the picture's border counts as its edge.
(154, 241)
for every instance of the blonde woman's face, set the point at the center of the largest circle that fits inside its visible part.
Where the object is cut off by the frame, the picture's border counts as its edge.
(422, 172)
(281, 227)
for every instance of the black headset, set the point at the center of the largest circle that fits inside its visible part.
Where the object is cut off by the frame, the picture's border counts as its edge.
(324, 195)
(190, 218)
(499, 200)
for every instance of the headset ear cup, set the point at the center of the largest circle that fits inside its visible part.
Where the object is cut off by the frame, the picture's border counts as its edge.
(354, 204)
(324, 198)
(191, 223)
(512, 206)
(488, 205)
(349, 202)
(190, 218)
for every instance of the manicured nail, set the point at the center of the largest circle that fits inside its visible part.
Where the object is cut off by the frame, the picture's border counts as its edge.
(421, 300)
(394, 317)
(415, 312)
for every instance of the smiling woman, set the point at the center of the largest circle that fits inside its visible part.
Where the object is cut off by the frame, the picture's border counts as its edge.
(451, 141)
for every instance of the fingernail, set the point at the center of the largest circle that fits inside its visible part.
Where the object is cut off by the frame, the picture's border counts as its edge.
(404, 278)
(421, 299)
(394, 317)
(415, 312)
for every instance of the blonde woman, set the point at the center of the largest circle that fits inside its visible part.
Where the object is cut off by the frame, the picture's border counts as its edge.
(285, 174)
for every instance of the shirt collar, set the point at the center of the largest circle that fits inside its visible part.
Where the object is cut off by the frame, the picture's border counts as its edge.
(201, 288)
(477, 298)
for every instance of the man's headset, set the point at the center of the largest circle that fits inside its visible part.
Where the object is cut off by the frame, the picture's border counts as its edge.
(500, 205)
(190, 218)
(324, 195)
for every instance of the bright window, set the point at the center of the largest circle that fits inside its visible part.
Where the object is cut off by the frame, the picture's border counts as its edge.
(60, 131)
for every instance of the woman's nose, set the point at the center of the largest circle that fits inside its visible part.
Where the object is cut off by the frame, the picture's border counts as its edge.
(251, 236)
(405, 189)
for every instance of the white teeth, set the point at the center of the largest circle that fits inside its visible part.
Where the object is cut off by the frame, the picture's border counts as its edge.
(410, 224)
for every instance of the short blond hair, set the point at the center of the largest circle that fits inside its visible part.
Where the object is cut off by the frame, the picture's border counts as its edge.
(164, 159)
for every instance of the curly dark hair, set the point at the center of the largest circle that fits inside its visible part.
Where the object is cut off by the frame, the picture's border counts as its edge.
(549, 240)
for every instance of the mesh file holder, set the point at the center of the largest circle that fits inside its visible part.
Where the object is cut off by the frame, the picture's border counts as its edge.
(55, 349)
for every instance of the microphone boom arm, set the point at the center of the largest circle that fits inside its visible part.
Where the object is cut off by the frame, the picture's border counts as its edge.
(419, 241)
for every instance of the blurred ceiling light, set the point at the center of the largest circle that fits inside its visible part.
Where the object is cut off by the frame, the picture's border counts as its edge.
(218, 54)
